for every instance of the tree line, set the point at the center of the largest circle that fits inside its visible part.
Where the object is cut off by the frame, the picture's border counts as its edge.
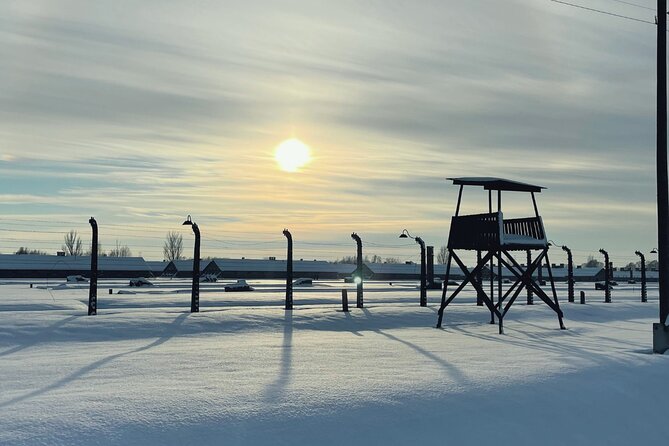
(367, 259)
(73, 246)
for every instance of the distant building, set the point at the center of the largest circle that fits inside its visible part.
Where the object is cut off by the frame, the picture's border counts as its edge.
(46, 267)
(156, 267)
(560, 273)
(180, 268)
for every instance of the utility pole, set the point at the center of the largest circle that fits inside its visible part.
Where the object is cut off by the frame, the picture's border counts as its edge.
(660, 330)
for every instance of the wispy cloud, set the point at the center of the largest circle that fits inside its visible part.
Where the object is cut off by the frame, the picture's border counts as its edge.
(175, 109)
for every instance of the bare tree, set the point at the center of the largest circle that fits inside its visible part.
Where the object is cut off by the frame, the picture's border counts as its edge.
(101, 252)
(442, 255)
(392, 260)
(593, 263)
(377, 259)
(173, 247)
(120, 250)
(72, 244)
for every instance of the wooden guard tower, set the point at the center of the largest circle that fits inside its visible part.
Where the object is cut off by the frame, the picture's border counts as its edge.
(496, 240)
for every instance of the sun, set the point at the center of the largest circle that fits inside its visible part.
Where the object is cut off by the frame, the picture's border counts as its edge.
(292, 154)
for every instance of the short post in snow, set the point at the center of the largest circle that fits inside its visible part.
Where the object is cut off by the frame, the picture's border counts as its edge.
(607, 276)
(289, 270)
(644, 291)
(93, 285)
(582, 297)
(344, 301)
(429, 254)
(359, 271)
(195, 288)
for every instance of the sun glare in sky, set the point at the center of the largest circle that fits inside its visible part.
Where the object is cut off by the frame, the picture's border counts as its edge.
(292, 154)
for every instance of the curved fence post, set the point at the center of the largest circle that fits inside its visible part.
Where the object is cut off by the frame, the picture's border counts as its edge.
(359, 279)
(93, 285)
(289, 270)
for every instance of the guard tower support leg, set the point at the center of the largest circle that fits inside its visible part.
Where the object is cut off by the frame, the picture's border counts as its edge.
(555, 298)
(492, 288)
(479, 280)
(530, 296)
(444, 290)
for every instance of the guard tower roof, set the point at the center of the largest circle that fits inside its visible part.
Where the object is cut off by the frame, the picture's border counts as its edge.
(492, 183)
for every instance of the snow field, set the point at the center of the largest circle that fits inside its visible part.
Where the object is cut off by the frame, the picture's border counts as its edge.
(245, 371)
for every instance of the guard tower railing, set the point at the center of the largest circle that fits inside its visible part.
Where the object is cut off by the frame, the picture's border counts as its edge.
(531, 227)
(491, 230)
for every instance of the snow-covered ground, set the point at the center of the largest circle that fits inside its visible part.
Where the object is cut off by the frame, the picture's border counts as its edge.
(244, 371)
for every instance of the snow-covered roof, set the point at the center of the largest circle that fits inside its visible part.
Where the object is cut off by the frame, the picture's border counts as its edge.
(558, 272)
(14, 262)
(185, 265)
(625, 274)
(318, 266)
(156, 266)
(264, 265)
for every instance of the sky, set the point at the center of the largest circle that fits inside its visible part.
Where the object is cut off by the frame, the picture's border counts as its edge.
(140, 113)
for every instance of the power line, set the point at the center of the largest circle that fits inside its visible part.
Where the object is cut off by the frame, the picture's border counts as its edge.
(634, 4)
(604, 12)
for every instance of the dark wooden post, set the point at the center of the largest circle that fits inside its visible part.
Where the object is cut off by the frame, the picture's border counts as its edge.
(423, 273)
(540, 274)
(344, 301)
(289, 270)
(430, 266)
(360, 278)
(570, 274)
(582, 297)
(644, 291)
(93, 285)
(530, 295)
(607, 276)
